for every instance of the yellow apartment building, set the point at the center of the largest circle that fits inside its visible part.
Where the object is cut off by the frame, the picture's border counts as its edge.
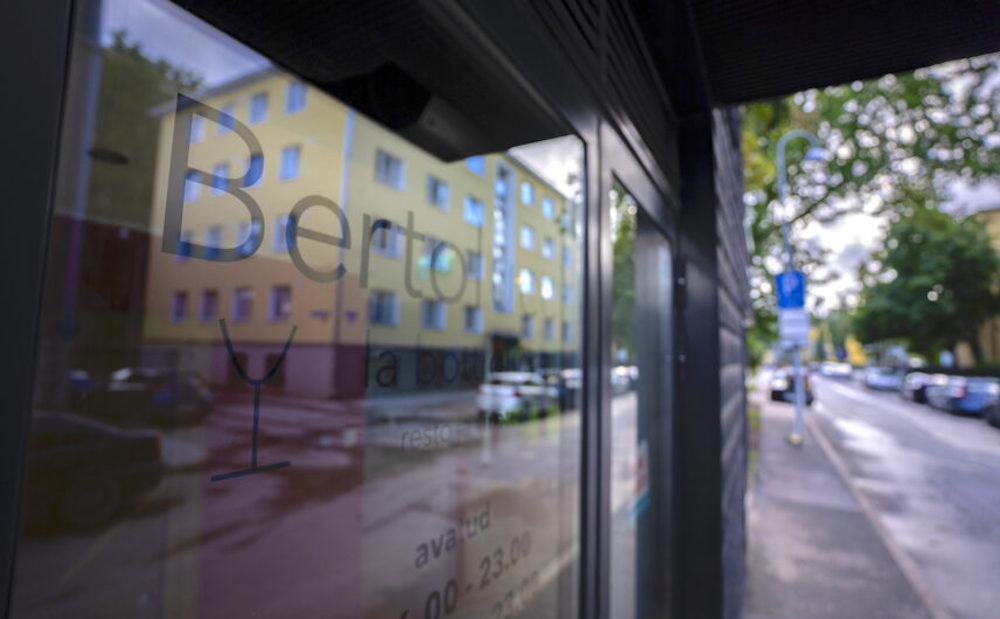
(396, 270)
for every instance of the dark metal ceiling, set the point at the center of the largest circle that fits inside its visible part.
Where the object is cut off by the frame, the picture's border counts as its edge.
(754, 49)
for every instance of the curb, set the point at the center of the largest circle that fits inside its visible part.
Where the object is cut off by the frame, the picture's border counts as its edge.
(908, 566)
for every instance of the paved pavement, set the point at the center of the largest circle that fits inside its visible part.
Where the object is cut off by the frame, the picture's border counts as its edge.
(812, 552)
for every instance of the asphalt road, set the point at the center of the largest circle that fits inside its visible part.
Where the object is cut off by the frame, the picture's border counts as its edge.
(933, 480)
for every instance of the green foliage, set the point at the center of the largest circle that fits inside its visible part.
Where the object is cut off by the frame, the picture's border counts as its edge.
(936, 284)
(623, 220)
(893, 144)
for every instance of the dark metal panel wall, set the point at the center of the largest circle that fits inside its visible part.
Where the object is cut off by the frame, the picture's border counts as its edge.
(34, 49)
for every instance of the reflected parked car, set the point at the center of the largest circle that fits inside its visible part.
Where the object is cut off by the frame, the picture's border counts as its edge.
(883, 379)
(568, 382)
(80, 472)
(783, 386)
(832, 369)
(151, 397)
(515, 395)
(915, 385)
(965, 395)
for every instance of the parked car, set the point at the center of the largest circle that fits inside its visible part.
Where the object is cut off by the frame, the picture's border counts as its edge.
(915, 385)
(508, 395)
(965, 395)
(568, 382)
(883, 379)
(992, 415)
(783, 386)
(832, 369)
(147, 397)
(80, 473)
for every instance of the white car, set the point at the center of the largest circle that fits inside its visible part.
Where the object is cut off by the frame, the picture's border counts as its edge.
(832, 369)
(505, 395)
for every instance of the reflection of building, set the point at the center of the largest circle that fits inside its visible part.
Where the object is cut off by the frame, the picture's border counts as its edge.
(475, 258)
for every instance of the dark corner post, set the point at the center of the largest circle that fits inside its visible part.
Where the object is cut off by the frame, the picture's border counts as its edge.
(35, 49)
(698, 436)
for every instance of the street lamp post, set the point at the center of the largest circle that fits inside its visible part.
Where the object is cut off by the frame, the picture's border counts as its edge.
(814, 153)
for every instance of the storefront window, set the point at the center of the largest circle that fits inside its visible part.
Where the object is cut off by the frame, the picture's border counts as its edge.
(256, 397)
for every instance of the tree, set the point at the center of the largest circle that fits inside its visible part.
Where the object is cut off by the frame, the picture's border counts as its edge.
(935, 284)
(893, 144)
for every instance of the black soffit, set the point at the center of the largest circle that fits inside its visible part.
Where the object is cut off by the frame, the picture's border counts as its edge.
(756, 49)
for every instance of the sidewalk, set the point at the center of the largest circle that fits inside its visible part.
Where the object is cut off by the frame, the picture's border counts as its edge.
(812, 552)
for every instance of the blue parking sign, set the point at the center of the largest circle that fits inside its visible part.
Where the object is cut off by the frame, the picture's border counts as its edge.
(791, 287)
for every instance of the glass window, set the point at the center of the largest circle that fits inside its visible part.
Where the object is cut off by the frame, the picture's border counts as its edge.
(209, 305)
(242, 303)
(192, 184)
(280, 307)
(390, 170)
(383, 307)
(220, 174)
(527, 193)
(548, 248)
(474, 264)
(547, 287)
(213, 241)
(437, 192)
(178, 307)
(549, 329)
(197, 128)
(333, 388)
(473, 211)
(567, 257)
(228, 119)
(434, 315)
(295, 97)
(473, 319)
(290, 158)
(526, 281)
(477, 164)
(567, 333)
(527, 237)
(258, 108)
(528, 326)
(255, 170)
(567, 294)
(548, 209)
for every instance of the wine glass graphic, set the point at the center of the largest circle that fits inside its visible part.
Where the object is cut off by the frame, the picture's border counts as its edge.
(257, 383)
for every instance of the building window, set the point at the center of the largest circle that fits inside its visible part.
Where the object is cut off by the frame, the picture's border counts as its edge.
(383, 307)
(549, 329)
(567, 293)
(295, 97)
(527, 326)
(242, 303)
(179, 307)
(191, 185)
(434, 315)
(220, 173)
(249, 231)
(547, 287)
(474, 265)
(526, 281)
(527, 193)
(441, 261)
(385, 241)
(473, 319)
(258, 108)
(477, 164)
(548, 248)
(280, 307)
(197, 128)
(213, 241)
(209, 305)
(548, 209)
(255, 170)
(184, 247)
(228, 119)
(565, 331)
(527, 237)
(474, 211)
(437, 192)
(290, 158)
(567, 257)
(390, 170)
(280, 241)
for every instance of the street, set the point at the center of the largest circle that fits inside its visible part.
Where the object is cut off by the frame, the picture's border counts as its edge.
(932, 481)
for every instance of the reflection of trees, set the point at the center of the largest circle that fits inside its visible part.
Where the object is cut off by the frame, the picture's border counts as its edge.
(623, 226)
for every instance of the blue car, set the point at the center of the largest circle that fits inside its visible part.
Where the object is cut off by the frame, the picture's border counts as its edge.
(962, 395)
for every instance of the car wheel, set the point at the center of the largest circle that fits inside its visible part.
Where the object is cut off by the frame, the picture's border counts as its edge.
(91, 499)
